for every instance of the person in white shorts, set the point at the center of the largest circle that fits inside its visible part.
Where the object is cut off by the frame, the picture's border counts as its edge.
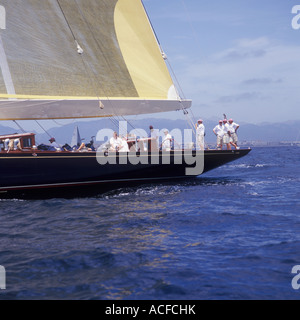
(200, 130)
(233, 127)
(219, 132)
(226, 137)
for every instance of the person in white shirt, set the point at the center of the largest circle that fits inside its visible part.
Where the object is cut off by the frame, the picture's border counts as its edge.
(200, 133)
(233, 127)
(226, 137)
(115, 142)
(219, 132)
(166, 142)
(54, 144)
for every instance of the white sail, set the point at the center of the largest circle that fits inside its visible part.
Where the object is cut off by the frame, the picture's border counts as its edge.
(81, 59)
(76, 139)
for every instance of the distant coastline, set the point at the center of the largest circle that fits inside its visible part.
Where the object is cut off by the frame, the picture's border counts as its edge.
(264, 144)
(250, 135)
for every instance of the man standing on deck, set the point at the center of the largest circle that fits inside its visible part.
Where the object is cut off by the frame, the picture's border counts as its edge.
(115, 142)
(218, 131)
(153, 136)
(226, 137)
(200, 130)
(233, 127)
(166, 143)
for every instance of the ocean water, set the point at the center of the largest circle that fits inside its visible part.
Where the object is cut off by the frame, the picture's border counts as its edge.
(233, 233)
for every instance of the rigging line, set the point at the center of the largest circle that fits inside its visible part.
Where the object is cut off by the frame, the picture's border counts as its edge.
(43, 128)
(62, 11)
(150, 23)
(90, 68)
(152, 27)
(36, 140)
(173, 73)
(61, 125)
(73, 35)
(186, 113)
(79, 49)
(180, 88)
(19, 126)
(162, 51)
(176, 80)
(100, 49)
(193, 32)
(87, 67)
(189, 120)
(47, 132)
(169, 64)
(194, 35)
(96, 77)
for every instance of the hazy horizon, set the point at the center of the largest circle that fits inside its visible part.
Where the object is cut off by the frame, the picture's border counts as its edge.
(29, 125)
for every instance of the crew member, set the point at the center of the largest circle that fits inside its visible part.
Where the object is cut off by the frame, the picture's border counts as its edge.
(115, 142)
(166, 143)
(226, 137)
(152, 145)
(233, 127)
(200, 133)
(218, 131)
(12, 144)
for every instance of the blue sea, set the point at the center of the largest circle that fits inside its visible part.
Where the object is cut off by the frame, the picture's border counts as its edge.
(233, 233)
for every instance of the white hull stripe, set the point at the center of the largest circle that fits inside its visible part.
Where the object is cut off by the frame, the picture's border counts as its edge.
(53, 185)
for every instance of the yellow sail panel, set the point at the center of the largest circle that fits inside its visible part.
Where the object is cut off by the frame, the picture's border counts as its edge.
(140, 50)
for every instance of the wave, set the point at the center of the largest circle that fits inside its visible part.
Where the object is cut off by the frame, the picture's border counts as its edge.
(250, 166)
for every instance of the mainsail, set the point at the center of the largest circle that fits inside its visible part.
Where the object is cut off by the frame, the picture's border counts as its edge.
(81, 59)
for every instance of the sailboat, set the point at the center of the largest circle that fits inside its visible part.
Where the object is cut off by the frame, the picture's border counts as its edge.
(76, 139)
(78, 59)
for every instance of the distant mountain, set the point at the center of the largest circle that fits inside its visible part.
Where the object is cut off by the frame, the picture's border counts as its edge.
(270, 132)
(7, 130)
(266, 132)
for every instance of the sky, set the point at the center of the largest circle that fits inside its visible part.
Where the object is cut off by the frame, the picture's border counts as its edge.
(238, 57)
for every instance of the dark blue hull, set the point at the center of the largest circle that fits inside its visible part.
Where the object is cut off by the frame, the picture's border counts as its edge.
(48, 172)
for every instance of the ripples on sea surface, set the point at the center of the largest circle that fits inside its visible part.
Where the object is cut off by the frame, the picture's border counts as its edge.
(233, 233)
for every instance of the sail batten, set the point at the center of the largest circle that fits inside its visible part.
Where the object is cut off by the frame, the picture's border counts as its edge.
(58, 55)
